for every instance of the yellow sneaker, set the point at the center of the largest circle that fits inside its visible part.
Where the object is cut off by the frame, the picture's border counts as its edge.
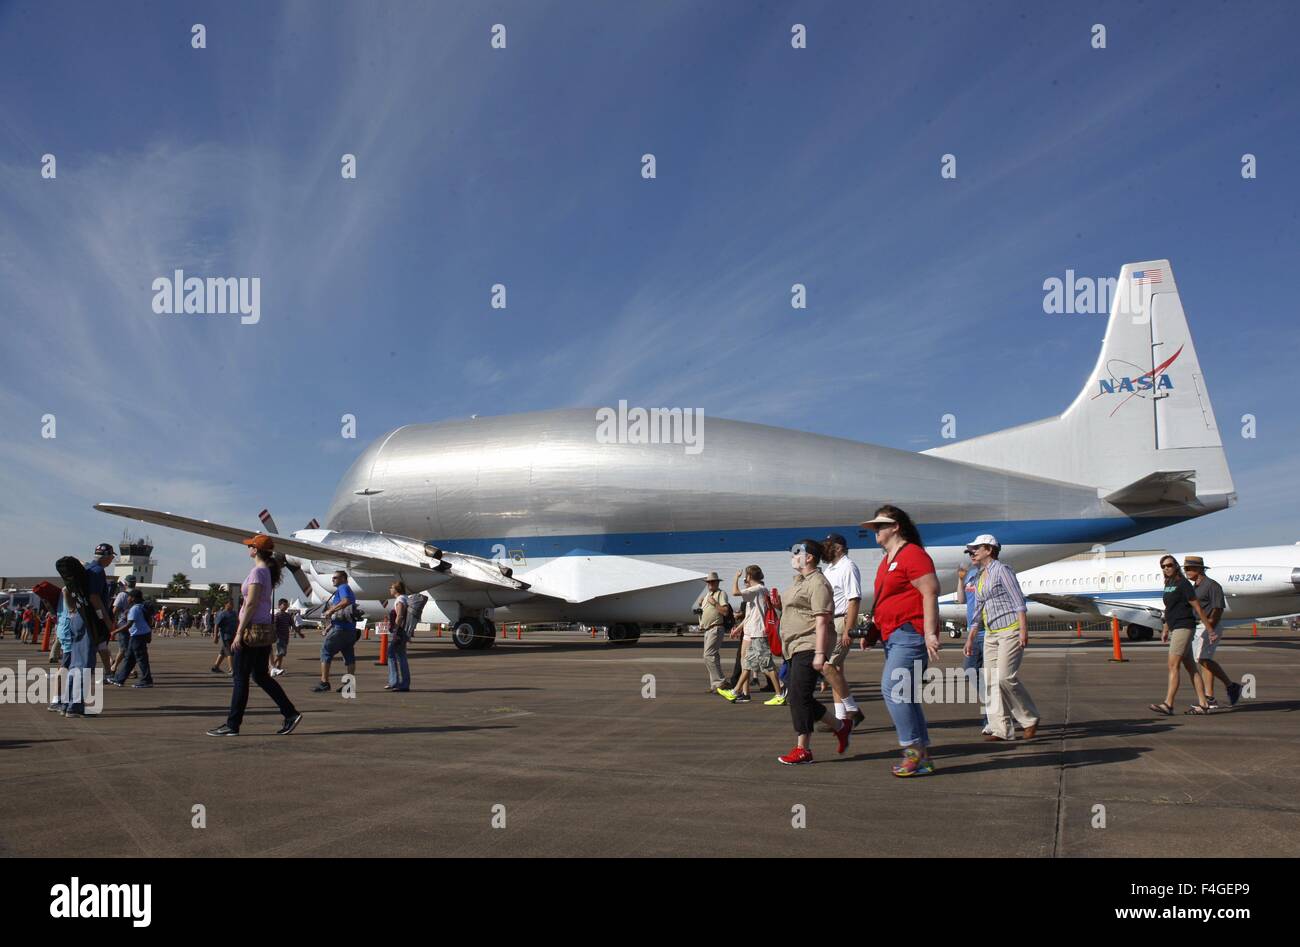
(777, 701)
(729, 695)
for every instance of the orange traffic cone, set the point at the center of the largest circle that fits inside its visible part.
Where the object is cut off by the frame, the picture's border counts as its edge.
(1078, 629)
(1114, 634)
(383, 651)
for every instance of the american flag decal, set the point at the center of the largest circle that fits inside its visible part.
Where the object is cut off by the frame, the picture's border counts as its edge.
(1147, 276)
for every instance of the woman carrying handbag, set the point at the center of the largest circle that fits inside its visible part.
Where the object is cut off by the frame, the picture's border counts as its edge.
(250, 651)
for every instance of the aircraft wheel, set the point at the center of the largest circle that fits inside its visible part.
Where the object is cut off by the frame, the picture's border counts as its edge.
(466, 635)
(631, 634)
(954, 633)
(488, 636)
(1136, 633)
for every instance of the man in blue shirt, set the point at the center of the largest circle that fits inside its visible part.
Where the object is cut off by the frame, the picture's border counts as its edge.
(141, 635)
(342, 634)
(97, 592)
(224, 627)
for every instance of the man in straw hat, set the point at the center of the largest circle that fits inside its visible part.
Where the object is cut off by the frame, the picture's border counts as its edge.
(713, 608)
(1210, 594)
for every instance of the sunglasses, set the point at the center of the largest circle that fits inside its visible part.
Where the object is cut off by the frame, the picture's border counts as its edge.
(1169, 565)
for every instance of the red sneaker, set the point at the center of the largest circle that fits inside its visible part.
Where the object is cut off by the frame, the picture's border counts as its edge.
(842, 735)
(795, 757)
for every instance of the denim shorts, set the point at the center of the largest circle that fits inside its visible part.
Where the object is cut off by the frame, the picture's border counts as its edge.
(339, 641)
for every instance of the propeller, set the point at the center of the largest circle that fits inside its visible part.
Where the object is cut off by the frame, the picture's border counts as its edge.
(294, 569)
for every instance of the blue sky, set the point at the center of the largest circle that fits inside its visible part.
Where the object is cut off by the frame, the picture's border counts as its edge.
(522, 166)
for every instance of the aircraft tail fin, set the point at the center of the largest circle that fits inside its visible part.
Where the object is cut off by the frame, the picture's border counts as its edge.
(1141, 425)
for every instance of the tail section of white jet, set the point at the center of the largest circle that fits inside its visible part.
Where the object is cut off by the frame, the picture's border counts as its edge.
(1142, 430)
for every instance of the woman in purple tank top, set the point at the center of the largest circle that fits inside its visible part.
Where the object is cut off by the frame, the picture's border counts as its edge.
(251, 648)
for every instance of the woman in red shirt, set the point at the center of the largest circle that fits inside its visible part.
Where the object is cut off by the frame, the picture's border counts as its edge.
(906, 612)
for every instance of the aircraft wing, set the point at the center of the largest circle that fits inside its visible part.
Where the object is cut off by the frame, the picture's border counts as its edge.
(464, 572)
(581, 576)
(1126, 612)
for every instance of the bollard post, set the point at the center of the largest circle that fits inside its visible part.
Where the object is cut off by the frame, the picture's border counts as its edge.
(45, 636)
(519, 632)
(1078, 629)
(1118, 656)
(1254, 629)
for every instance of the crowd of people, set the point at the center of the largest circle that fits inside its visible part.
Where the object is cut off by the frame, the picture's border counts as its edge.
(813, 623)
(810, 627)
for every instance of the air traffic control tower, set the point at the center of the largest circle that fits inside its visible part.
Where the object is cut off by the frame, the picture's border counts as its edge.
(134, 557)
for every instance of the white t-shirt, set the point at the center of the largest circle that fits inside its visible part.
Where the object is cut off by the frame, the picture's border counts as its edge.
(846, 582)
(756, 604)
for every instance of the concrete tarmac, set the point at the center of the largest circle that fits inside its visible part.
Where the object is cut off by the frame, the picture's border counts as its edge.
(553, 737)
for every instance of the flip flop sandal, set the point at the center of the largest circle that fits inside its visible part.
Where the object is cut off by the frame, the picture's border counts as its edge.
(1163, 708)
(1196, 710)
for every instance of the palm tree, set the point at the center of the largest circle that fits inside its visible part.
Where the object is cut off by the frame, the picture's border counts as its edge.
(178, 586)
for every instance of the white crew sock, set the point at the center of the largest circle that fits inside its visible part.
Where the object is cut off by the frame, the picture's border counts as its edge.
(850, 704)
(839, 711)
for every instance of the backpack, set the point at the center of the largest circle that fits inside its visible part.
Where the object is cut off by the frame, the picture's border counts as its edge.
(414, 609)
(772, 622)
(73, 573)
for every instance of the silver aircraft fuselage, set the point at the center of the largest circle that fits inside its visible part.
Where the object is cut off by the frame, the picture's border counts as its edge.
(532, 487)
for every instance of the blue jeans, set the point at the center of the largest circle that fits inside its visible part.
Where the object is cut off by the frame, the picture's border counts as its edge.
(976, 661)
(138, 655)
(399, 671)
(339, 640)
(900, 687)
(65, 662)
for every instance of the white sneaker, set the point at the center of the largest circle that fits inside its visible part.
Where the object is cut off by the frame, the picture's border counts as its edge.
(276, 672)
(986, 731)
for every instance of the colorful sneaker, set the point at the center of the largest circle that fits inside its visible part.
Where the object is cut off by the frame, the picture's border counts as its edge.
(1234, 694)
(777, 701)
(742, 698)
(728, 694)
(913, 765)
(842, 736)
(796, 757)
(858, 717)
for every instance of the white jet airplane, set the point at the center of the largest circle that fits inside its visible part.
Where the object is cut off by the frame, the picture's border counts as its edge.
(1258, 582)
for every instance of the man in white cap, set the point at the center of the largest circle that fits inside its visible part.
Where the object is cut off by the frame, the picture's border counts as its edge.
(846, 585)
(713, 608)
(1000, 610)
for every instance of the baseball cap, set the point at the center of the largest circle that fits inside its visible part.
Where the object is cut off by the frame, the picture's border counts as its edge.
(984, 539)
(104, 549)
(261, 542)
(836, 538)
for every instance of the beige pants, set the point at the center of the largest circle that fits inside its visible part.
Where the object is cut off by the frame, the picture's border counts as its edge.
(712, 658)
(1007, 695)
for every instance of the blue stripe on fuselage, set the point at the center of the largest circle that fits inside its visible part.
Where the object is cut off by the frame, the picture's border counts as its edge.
(1016, 533)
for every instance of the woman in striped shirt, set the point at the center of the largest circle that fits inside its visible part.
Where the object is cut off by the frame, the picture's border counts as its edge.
(1000, 611)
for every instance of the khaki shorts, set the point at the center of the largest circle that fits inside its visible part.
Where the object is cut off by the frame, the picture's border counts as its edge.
(758, 656)
(1202, 648)
(838, 655)
(1180, 641)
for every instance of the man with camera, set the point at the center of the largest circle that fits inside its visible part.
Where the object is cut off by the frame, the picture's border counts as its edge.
(714, 611)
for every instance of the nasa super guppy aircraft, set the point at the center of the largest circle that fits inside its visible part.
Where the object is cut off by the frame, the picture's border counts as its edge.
(541, 518)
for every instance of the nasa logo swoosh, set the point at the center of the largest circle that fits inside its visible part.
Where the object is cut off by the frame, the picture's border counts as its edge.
(1135, 386)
